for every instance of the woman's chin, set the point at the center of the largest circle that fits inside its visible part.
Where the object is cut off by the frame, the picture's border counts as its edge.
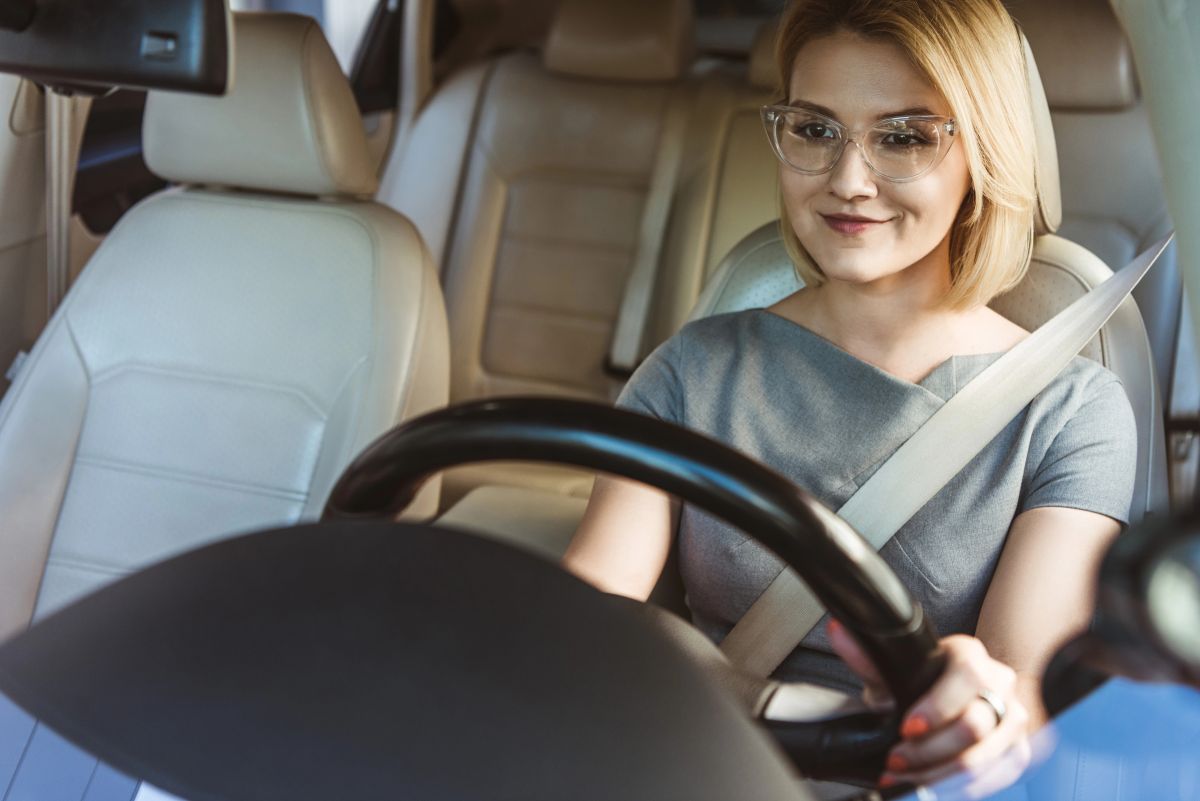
(853, 272)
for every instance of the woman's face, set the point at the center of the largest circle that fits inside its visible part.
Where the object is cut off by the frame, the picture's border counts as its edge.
(858, 226)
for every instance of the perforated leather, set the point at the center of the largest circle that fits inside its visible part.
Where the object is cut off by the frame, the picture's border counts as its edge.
(219, 361)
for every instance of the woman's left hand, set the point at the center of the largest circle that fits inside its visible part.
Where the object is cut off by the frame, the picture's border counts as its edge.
(970, 720)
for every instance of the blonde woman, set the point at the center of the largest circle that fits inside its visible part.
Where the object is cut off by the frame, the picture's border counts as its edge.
(905, 142)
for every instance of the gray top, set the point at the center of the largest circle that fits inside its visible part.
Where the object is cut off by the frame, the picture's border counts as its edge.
(827, 420)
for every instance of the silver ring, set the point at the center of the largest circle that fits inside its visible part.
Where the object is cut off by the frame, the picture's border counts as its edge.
(996, 703)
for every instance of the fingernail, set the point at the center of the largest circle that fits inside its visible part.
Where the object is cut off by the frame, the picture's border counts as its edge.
(887, 781)
(833, 625)
(897, 763)
(915, 726)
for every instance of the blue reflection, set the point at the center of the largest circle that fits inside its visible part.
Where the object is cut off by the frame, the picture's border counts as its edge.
(1125, 742)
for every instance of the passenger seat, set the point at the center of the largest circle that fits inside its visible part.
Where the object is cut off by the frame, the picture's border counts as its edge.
(233, 343)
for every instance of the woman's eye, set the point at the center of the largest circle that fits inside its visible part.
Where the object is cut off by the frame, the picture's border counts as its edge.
(905, 135)
(904, 140)
(814, 130)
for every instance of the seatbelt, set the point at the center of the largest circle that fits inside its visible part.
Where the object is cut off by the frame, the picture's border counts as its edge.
(64, 132)
(787, 610)
(630, 329)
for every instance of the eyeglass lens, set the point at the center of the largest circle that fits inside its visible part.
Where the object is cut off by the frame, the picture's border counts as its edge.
(900, 148)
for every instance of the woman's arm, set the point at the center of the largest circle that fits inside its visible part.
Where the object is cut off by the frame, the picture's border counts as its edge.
(1041, 595)
(1043, 592)
(623, 540)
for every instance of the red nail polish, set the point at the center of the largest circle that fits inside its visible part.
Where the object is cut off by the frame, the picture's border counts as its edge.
(833, 625)
(886, 781)
(915, 726)
(897, 763)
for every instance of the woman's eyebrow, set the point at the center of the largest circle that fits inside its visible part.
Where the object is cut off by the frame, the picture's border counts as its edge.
(804, 104)
(914, 111)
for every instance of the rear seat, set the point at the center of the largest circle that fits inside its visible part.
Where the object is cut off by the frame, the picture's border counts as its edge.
(557, 169)
(729, 187)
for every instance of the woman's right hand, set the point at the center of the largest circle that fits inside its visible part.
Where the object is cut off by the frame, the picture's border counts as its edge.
(970, 722)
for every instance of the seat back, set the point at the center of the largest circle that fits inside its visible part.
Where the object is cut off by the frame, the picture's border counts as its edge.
(1114, 203)
(556, 175)
(729, 186)
(231, 346)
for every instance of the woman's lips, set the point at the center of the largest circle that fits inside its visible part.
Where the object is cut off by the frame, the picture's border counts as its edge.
(849, 225)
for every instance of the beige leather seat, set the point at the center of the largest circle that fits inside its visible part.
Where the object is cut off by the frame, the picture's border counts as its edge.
(231, 346)
(733, 188)
(557, 167)
(1114, 203)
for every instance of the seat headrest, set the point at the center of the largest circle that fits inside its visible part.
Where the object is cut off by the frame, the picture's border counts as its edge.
(1047, 214)
(622, 40)
(288, 123)
(762, 72)
(1085, 58)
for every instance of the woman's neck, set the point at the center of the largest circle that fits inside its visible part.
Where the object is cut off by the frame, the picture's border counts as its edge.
(899, 323)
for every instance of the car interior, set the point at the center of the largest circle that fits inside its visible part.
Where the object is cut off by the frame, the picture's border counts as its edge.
(501, 199)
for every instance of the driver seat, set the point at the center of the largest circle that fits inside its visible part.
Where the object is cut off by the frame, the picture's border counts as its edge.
(758, 272)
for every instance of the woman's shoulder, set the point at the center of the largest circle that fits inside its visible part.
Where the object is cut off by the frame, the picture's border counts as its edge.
(722, 327)
(716, 354)
(1084, 378)
(1083, 452)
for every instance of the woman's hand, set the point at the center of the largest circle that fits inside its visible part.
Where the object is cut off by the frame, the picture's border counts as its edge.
(953, 727)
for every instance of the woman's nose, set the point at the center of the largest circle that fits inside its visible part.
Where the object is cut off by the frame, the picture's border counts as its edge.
(851, 177)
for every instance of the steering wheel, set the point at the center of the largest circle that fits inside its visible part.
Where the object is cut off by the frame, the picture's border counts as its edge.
(844, 571)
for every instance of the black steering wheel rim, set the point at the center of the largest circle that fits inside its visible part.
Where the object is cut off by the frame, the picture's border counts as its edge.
(844, 571)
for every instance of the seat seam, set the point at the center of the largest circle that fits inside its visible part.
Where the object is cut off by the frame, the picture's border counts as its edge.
(66, 491)
(551, 313)
(574, 244)
(150, 368)
(185, 477)
(88, 565)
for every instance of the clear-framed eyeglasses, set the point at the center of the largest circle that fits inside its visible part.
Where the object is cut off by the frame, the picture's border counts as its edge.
(896, 148)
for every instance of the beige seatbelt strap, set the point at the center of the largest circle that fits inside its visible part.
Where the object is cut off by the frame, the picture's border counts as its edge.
(625, 351)
(787, 611)
(65, 118)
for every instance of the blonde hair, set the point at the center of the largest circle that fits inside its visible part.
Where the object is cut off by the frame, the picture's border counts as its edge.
(971, 53)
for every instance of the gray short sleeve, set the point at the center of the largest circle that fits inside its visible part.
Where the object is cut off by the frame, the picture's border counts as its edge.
(1087, 465)
(656, 387)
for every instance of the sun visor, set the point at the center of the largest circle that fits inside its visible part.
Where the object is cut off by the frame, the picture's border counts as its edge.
(181, 45)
